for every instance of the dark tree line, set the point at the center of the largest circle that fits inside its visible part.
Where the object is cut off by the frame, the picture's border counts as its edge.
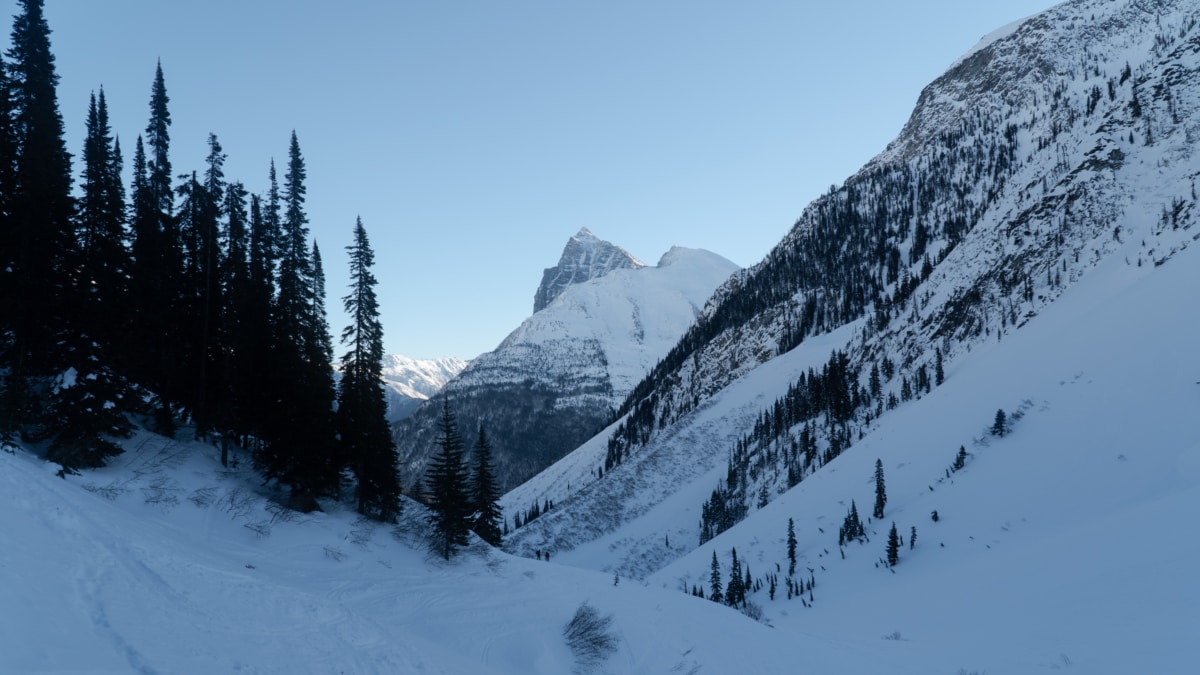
(823, 401)
(184, 300)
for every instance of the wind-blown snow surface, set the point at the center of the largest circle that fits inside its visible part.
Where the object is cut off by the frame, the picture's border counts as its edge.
(169, 564)
(1066, 543)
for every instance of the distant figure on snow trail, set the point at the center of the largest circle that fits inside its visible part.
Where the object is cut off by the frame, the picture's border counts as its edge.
(538, 553)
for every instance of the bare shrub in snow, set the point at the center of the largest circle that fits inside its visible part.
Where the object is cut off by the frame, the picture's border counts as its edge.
(162, 490)
(261, 528)
(360, 537)
(590, 637)
(109, 492)
(237, 503)
(203, 497)
(280, 513)
(754, 611)
(334, 553)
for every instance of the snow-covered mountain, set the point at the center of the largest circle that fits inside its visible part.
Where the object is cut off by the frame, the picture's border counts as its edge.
(1025, 240)
(584, 258)
(411, 381)
(556, 380)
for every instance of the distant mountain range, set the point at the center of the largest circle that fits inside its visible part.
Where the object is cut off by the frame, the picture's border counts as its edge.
(411, 381)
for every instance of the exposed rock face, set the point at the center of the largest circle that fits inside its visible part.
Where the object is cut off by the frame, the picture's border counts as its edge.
(585, 257)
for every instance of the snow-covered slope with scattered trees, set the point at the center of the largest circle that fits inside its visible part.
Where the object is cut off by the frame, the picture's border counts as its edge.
(556, 379)
(1047, 173)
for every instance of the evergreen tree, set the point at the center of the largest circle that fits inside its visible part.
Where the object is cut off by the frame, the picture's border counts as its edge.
(791, 547)
(960, 460)
(234, 410)
(1000, 424)
(939, 375)
(257, 393)
(366, 442)
(714, 580)
(156, 268)
(852, 527)
(893, 547)
(912, 538)
(446, 482)
(299, 428)
(735, 592)
(39, 233)
(100, 232)
(8, 253)
(880, 490)
(89, 401)
(484, 497)
(198, 221)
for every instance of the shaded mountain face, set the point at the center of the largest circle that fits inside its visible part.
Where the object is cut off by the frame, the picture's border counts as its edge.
(584, 258)
(1062, 145)
(556, 380)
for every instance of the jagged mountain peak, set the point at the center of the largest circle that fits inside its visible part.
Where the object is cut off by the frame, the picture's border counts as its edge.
(585, 257)
(555, 380)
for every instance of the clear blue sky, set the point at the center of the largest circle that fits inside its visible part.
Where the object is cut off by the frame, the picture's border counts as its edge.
(474, 138)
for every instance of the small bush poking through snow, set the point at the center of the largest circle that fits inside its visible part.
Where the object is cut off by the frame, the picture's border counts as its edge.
(590, 637)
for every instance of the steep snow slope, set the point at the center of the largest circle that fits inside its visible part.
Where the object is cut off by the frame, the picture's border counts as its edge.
(1062, 543)
(555, 380)
(168, 564)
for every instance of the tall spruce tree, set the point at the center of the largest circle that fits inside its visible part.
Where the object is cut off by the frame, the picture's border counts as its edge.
(880, 490)
(485, 500)
(156, 268)
(8, 252)
(714, 580)
(735, 591)
(39, 232)
(366, 441)
(89, 401)
(791, 547)
(100, 232)
(257, 393)
(232, 413)
(446, 483)
(893, 547)
(299, 427)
